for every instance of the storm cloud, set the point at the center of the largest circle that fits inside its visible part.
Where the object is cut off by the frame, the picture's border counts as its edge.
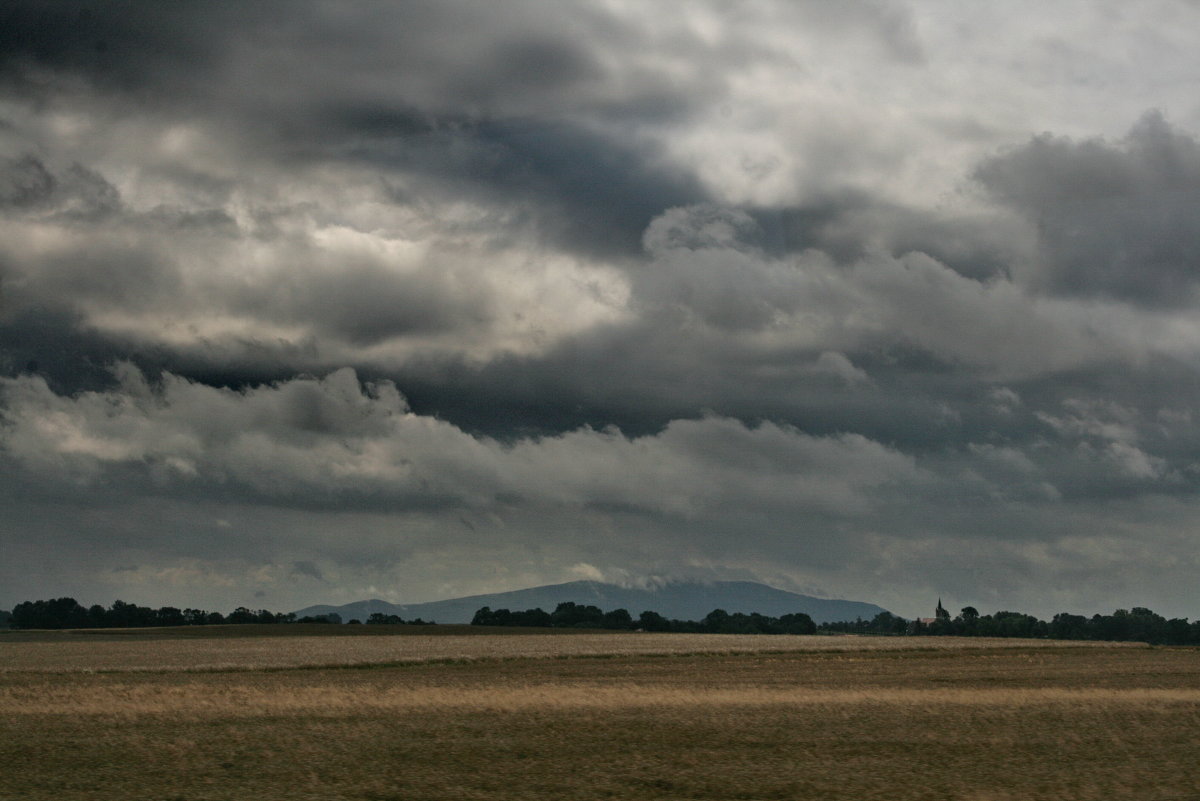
(305, 303)
(1114, 219)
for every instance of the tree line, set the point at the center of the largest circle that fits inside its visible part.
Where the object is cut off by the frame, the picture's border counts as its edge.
(1134, 625)
(67, 613)
(1137, 624)
(582, 616)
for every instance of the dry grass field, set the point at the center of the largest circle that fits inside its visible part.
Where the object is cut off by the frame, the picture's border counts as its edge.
(270, 647)
(594, 716)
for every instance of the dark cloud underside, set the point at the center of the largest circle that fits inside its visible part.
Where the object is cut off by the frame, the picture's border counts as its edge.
(308, 302)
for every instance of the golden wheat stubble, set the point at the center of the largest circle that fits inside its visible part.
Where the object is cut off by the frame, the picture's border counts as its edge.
(998, 723)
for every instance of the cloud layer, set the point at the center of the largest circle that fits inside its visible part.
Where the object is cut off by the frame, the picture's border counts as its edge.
(301, 303)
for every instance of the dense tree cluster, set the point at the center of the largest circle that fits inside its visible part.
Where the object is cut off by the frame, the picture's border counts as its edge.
(882, 623)
(67, 613)
(380, 619)
(1138, 624)
(581, 616)
(565, 615)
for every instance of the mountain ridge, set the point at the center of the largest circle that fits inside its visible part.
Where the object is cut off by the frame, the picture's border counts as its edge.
(683, 600)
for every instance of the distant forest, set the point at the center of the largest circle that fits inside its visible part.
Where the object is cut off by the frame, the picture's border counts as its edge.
(1138, 624)
(67, 613)
(580, 616)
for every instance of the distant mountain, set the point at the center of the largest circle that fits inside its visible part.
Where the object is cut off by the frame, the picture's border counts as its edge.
(676, 600)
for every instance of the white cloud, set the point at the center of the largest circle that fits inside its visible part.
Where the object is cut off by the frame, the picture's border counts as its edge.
(330, 438)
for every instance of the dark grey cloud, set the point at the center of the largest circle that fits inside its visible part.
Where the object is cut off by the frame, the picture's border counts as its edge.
(1114, 219)
(536, 65)
(366, 304)
(581, 189)
(25, 183)
(73, 194)
(408, 300)
(126, 44)
(447, 57)
(852, 226)
(605, 193)
(307, 568)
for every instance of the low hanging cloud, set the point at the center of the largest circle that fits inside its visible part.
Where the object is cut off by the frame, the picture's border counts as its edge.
(295, 459)
(331, 439)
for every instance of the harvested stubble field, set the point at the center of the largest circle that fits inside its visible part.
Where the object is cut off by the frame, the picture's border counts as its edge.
(267, 647)
(590, 716)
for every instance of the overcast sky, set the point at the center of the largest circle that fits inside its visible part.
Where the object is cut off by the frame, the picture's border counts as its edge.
(313, 302)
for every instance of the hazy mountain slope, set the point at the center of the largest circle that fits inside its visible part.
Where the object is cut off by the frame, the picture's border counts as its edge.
(681, 600)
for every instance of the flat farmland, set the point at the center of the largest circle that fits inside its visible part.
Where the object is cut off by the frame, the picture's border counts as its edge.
(275, 647)
(165, 717)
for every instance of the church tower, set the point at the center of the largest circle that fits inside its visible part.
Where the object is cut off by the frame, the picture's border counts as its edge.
(940, 613)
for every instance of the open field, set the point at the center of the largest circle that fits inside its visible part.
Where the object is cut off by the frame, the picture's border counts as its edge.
(186, 649)
(856, 719)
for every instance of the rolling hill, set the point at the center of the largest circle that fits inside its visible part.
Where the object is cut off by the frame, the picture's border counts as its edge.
(684, 600)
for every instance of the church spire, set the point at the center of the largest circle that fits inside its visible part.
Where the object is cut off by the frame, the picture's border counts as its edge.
(940, 613)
